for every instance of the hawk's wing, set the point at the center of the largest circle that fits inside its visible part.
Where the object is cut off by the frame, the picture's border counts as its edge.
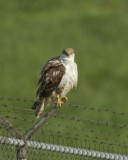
(51, 76)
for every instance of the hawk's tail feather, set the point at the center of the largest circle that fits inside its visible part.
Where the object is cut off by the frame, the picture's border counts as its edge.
(38, 107)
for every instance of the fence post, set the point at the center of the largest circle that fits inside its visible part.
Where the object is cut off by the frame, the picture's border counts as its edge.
(36, 126)
(9, 127)
(20, 150)
(21, 153)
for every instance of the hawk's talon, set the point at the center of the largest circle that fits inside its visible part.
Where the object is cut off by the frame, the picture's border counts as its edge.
(58, 101)
(64, 99)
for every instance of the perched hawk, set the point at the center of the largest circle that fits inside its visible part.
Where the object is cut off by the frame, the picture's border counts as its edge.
(58, 76)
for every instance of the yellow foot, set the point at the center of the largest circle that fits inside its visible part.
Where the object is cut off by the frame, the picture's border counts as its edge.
(58, 101)
(37, 116)
(64, 99)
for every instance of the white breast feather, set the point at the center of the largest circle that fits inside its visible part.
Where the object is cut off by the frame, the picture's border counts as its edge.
(69, 80)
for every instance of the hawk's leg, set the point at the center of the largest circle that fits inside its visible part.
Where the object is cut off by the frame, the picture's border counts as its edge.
(58, 101)
(64, 99)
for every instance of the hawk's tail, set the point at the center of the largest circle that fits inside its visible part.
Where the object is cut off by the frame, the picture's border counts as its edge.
(38, 107)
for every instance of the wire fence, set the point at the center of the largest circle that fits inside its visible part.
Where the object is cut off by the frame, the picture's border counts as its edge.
(72, 132)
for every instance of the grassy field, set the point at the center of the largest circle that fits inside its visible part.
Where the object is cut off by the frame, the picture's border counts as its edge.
(33, 32)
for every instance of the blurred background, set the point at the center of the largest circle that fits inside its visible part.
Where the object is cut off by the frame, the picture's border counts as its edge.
(32, 32)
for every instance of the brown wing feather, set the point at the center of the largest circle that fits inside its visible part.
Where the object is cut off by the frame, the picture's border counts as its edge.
(51, 76)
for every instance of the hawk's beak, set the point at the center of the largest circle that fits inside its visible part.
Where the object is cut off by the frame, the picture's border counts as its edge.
(68, 53)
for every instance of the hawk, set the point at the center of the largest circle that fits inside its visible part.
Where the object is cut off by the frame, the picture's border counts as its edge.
(58, 77)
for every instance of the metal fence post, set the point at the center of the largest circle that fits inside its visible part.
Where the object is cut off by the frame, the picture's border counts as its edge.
(37, 125)
(21, 152)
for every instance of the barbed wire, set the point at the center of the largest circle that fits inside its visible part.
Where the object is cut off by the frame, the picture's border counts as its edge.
(91, 121)
(77, 119)
(97, 109)
(73, 118)
(15, 107)
(17, 99)
(75, 106)
(77, 133)
(76, 137)
(63, 127)
(81, 130)
(87, 138)
(16, 112)
(18, 118)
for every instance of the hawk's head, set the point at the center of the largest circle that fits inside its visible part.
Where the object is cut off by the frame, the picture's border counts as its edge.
(68, 52)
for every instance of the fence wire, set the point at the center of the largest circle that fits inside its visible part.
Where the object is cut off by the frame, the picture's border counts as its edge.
(89, 133)
(62, 149)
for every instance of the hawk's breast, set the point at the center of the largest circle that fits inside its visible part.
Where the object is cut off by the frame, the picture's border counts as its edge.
(69, 80)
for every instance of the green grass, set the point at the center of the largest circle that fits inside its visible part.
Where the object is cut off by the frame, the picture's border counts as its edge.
(31, 32)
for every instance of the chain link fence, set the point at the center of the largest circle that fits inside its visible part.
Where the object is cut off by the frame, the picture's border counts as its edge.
(70, 133)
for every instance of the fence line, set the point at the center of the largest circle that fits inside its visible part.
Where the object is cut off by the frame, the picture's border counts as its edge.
(72, 133)
(63, 149)
(77, 119)
(91, 121)
(17, 99)
(21, 150)
(85, 107)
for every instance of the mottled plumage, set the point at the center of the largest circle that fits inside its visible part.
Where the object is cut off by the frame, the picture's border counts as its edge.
(58, 76)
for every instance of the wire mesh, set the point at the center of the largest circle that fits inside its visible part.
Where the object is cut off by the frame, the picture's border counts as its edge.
(91, 128)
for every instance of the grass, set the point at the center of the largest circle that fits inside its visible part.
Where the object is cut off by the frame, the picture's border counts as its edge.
(32, 33)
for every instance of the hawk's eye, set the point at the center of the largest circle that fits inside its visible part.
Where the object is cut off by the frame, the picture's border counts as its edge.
(68, 51)
(64, 52)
